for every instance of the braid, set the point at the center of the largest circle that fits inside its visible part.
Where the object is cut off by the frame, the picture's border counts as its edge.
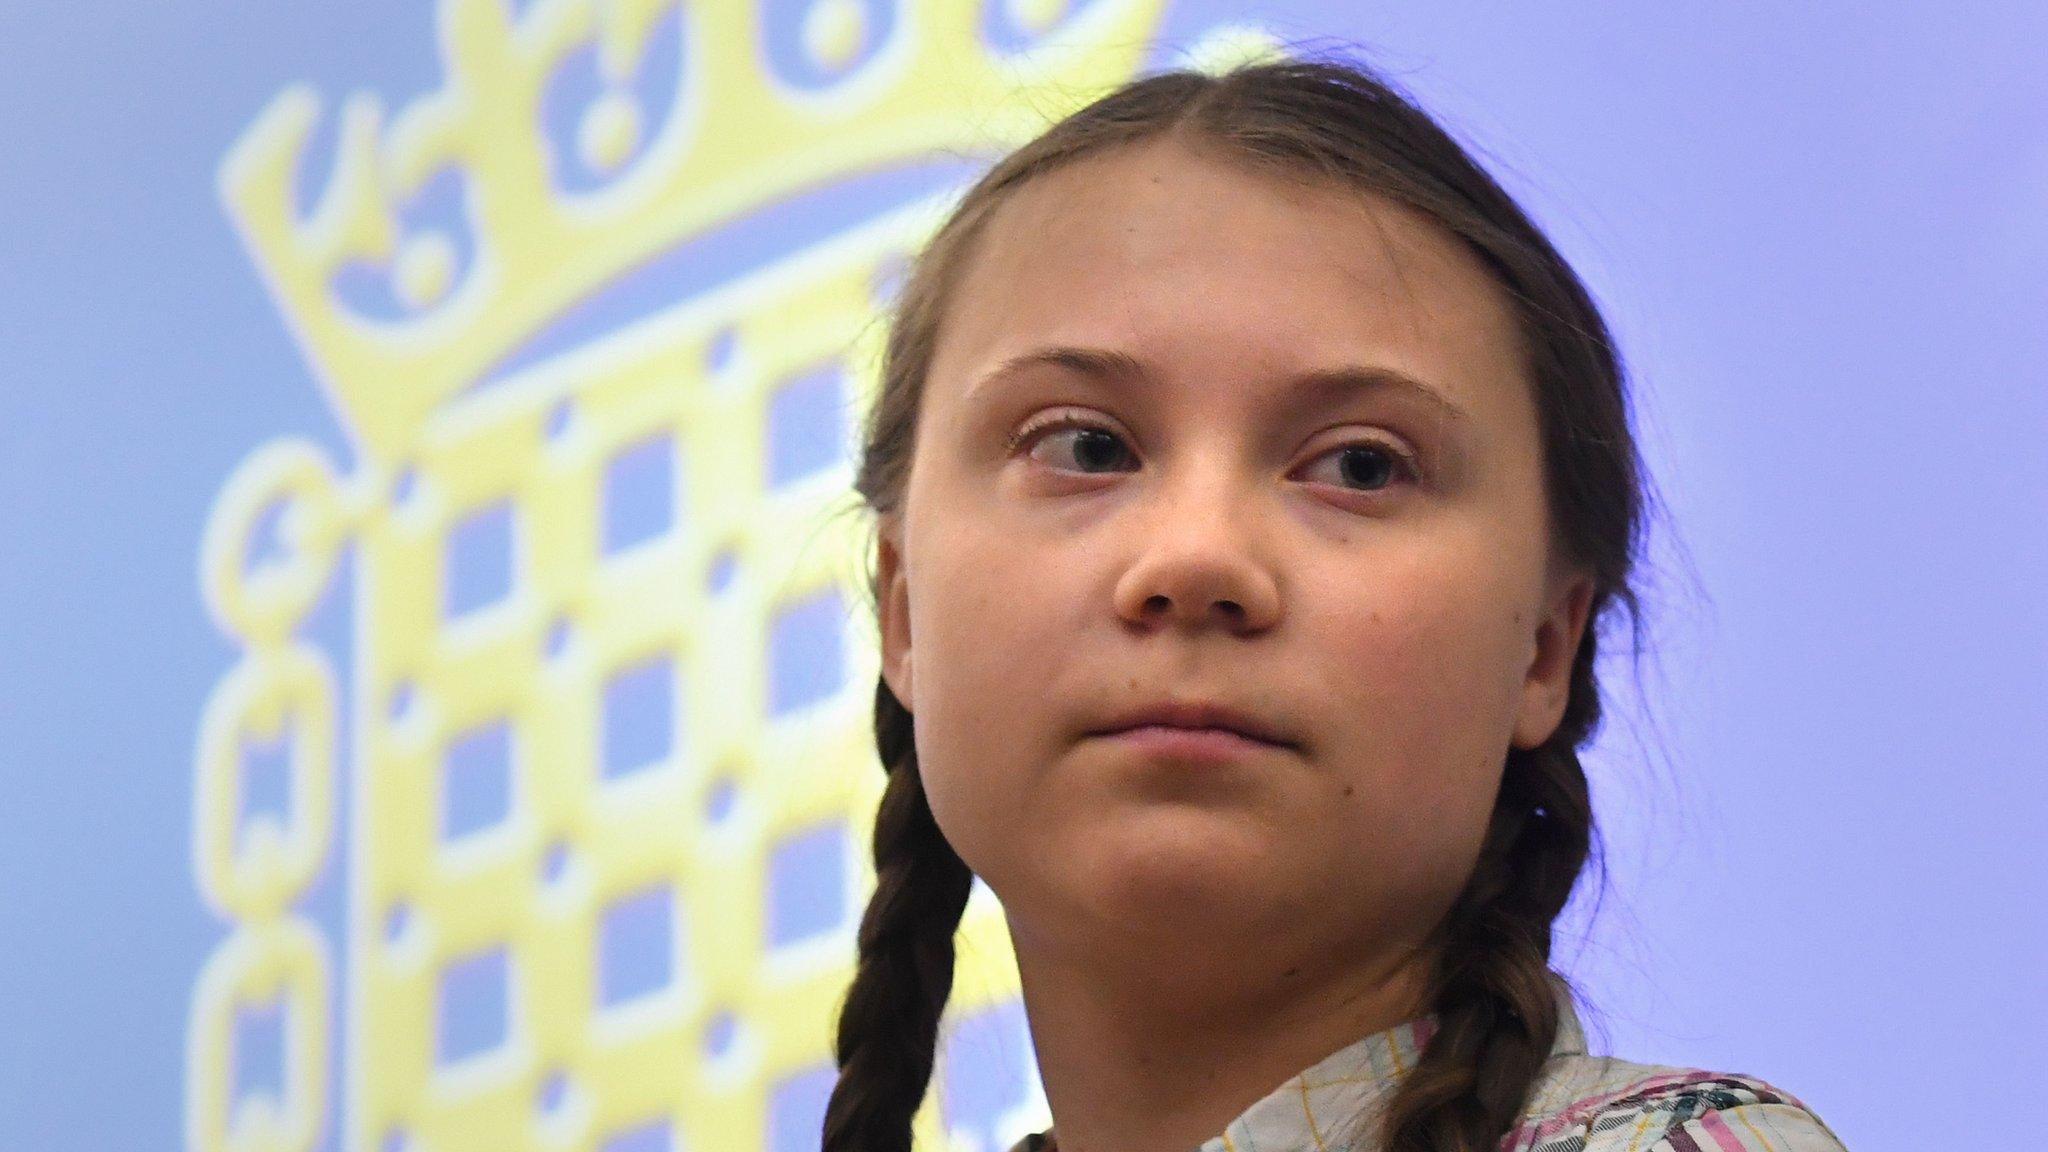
(889, 1022)
(1497, 1013)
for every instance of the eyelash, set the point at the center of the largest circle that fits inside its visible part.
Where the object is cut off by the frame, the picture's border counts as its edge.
(1404, 464)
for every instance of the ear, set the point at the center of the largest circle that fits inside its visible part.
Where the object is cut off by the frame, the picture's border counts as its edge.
(893, 610)
(1546, 689)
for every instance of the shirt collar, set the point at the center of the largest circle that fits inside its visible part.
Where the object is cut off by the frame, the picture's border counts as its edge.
(1319, 1105)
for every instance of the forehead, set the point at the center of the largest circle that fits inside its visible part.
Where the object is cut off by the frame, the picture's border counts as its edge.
(1191, 261)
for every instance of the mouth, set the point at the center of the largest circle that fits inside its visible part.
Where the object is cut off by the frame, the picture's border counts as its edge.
(1209, 745)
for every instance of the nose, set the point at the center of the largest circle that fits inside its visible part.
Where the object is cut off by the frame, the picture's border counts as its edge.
(1199, 560)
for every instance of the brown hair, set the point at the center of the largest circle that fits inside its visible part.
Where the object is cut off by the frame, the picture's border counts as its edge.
(1328, 120)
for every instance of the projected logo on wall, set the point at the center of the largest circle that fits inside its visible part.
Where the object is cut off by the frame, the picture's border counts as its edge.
(598, 318)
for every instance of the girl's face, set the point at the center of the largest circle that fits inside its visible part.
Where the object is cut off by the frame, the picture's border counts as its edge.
(1316, 496)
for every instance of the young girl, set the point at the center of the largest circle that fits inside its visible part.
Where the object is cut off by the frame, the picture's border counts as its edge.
(1248, 469)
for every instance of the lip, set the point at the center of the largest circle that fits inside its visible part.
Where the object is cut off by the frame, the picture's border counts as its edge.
(1198, 716)
(1198, 745)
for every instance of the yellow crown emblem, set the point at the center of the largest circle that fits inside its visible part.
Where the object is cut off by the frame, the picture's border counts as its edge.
(606, 699)
(736, 136)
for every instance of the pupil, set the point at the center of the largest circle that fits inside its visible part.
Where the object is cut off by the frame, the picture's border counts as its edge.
(1383, 463)
(1102, 442)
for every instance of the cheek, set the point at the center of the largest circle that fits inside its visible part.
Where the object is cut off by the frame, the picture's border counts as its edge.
(1422, 688)
(1426, 657)
(982, 628)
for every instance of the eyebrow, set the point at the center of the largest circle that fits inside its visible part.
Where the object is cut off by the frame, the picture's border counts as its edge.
(1112, 366)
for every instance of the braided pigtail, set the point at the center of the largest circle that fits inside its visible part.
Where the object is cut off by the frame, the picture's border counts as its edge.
(1493, 994)
(889, 1022)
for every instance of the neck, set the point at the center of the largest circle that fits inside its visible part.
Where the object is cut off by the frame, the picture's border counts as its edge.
(1160, 1056)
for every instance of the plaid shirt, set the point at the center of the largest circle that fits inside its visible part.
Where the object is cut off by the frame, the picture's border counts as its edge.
(1578, 1103)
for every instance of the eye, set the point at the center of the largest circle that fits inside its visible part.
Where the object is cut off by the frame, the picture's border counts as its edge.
(1371, 464)
(1093, 440)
